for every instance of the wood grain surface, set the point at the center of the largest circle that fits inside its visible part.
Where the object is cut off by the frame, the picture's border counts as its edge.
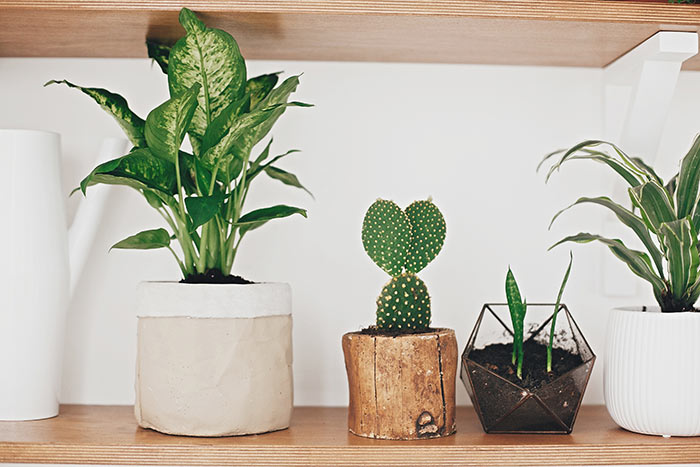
(319, 436)
(589, 33)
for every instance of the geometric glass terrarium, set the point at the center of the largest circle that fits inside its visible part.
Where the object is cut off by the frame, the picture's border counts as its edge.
(539, 402)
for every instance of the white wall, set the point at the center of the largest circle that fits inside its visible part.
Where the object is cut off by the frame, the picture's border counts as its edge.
(469, 136)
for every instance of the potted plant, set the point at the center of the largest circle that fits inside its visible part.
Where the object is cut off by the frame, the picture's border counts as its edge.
(215, 350)
(528, 377)
(651, 358)
(401, 373)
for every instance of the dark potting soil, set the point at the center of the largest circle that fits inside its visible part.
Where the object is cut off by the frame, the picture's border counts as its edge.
(214, 276)
(375, 331)
(498, 359)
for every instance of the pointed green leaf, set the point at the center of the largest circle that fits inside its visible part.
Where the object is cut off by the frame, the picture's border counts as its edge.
(167, 124)
(210, 58)
(285, 177)
(653, 203)
(146, 240)
(117, 107)
(160, 53)
(629, 219)
(638, 262)
(203, 208)
(689, 182)
(139, 169)
(259, 87)
(266, 214)
(680, 239)
(553, 327)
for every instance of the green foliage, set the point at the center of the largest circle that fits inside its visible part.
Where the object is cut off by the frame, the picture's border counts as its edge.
(404, 304)
(556, 312)
(518, 309)
(200, 195)
(402, 243)
(664, 217)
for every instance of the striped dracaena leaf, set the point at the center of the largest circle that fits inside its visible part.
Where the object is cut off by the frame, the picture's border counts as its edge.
(117, 107)
(689, 182)
(629, 219)
(577, 153)
(654, 204)
(638, 262)
(211, 58)
(167, 124)
(680, 240)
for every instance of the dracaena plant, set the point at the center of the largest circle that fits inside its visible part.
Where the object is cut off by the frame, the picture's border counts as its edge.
(200, 195)
(518, 308)
(664, 217)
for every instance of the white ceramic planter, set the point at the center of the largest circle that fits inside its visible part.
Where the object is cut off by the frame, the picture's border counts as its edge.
(214, 360)
(34, 275)
(652, 371)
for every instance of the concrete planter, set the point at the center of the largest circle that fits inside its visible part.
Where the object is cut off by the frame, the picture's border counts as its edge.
(214, 360)
(401, 387)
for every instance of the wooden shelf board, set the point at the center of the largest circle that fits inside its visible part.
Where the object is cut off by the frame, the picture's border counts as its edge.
(590, 33)
(318, 436)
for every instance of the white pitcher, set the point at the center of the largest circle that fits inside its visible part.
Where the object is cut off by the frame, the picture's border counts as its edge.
(35, 268)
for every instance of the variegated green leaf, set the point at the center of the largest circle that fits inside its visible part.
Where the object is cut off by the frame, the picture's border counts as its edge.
(689, 182)
(210, 58)
(259, 87)
(680, 240)
(628, 174)
(203, 208)
(117, 107)
(139, 169)
(654, 204)
(630, 220)
(160, 53)
(638, 262)
(285, 177)
(167, 124)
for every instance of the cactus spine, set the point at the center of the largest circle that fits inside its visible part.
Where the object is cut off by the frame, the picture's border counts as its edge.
(402, 243)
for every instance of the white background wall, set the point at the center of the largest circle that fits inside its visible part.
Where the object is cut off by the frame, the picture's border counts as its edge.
(469, 136)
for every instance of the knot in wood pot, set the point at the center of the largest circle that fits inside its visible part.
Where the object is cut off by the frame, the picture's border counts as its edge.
(401, 386)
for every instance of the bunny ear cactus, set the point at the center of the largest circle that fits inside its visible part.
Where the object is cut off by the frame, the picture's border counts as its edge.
(402, 243)
(200, 195)
(664, 217)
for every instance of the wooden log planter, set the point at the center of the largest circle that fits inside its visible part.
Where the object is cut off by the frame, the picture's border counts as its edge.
(401, 386)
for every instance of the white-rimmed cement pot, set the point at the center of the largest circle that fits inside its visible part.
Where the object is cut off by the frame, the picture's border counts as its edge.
(652, 371)
(214, 360)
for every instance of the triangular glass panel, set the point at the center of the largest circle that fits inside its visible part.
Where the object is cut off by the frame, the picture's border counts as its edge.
(530, 415)
(503, 395)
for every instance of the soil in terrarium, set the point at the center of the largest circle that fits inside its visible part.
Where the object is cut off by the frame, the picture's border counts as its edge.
(498, 359)
(214, 276)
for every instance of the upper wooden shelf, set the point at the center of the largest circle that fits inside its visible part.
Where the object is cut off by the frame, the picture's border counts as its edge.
(319, 436)
(590, 33)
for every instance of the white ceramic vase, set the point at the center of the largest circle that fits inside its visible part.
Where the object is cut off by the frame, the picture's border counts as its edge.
(34, 274)
(214, 360)
(652, 371)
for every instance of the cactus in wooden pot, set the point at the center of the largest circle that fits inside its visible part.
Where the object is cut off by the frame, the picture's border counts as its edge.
(402, 243)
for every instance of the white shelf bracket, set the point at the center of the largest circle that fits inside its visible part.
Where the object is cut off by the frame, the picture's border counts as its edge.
(639, 87)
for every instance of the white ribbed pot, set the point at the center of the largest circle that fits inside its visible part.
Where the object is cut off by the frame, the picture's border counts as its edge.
(214, 360)
(652, 371)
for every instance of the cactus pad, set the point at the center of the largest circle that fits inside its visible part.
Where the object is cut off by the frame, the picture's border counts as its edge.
(428, 234)
(404, 304)
(386, 236)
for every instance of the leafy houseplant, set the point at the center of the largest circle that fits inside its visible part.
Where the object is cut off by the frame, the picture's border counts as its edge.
(664, 217)
(228, 347)
(200, 195)
(410, 367)
(529, 385)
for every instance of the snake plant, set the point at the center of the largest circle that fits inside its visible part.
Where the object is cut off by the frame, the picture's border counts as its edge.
(664, 217)
(201, 194)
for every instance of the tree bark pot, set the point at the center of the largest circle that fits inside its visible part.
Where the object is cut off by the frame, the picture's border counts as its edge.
(214, 359)
(401, 387)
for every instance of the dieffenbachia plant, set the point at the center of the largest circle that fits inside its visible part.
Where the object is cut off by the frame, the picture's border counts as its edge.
(402, 243)
(518, 308)
(201, 194)
(664, 217)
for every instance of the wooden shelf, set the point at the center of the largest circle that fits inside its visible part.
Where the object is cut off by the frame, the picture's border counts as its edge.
(590, 33)
(318, 436)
